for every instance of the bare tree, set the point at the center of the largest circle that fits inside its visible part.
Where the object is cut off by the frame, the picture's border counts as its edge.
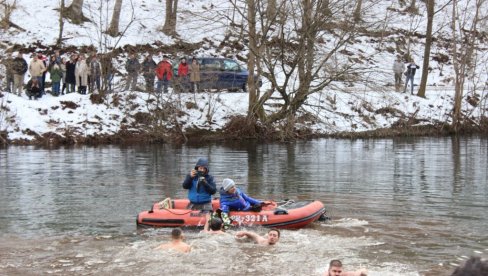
(428, 44)
(169, 27)
(413, 7)
(8, 8)
(75, 12)
(62, 7)
(357, 11)
(271, 9)
(465, 34)
(113, 30)
(291, 58)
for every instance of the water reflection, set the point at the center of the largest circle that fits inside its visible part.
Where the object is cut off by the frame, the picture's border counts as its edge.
(414, 202)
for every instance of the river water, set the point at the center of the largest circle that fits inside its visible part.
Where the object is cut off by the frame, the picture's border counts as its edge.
(413, 206)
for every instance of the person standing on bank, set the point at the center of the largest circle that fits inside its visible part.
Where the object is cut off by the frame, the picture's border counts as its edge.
(19, 66)
(398, 68)
(132, 66)
(37, 69)
(201, 186)
(164, 72)
(183, 69)
(410, 73)
(81, 72)
(194, 75)
(70, 74)
(148, 71)
(9, 72)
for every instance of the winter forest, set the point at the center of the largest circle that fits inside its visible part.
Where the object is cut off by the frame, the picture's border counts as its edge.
(325, 67)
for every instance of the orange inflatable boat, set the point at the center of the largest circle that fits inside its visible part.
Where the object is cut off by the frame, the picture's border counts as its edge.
(286, 214)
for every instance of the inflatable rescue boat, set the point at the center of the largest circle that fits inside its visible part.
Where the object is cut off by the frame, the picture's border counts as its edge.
(287, 214)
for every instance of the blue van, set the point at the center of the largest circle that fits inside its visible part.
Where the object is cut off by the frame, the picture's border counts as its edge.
(219, 74)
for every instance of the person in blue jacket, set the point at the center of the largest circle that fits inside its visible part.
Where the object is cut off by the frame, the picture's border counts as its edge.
(231, 198)
(201, 186)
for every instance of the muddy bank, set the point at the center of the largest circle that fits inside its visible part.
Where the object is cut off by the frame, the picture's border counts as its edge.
(125, 137)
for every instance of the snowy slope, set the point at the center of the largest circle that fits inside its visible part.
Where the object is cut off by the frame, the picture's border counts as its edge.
(358, 108)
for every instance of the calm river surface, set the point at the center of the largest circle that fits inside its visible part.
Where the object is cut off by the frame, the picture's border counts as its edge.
(414, 206)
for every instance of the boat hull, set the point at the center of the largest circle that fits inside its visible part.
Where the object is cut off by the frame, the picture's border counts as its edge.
(284, 215)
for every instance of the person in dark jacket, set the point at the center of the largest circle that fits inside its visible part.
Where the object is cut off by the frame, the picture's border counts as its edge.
(33, 89)
(411, 68)
(70, 73)
(201, 186)
(19, 66)
(148, 71)
(132, 66)
(231, 198)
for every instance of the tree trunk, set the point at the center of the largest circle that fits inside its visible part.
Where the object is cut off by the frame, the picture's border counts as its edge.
(61, 23)
(169, 27)
(113, 30)
(357, 11)
(252, 114)
(413, 7)
(326, 9)
(271, 9)
(428, 44)
(75, 12)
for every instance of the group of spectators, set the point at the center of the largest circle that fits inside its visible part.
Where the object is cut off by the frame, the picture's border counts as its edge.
(89, 73)
(399, 70)
(188, 76)
(71, 73)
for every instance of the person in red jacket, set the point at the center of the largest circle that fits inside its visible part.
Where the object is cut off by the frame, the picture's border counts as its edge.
(164, 72)
(183, 81)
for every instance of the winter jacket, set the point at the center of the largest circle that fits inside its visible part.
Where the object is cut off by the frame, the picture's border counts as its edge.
(95, 68)
(148, 67)
(36, 68)
(70, 72)
(411, 68)
(398, 67)
(164, 70)
(194, 72)
(200, 192)
(81, 73)
(182, 69)
(56, 73)
(237, 201)
(8, 62)
(132, 66)
(63, 71)
(19, 66)
(33, 91)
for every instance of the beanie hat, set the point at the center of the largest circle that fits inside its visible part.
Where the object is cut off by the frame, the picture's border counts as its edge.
(227, 184)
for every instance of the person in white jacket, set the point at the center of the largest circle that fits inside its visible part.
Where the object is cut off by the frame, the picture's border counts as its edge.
(398, 68)
(37, 68)
(81, 72)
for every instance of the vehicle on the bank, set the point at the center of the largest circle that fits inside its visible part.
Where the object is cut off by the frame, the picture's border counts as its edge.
(215, 73)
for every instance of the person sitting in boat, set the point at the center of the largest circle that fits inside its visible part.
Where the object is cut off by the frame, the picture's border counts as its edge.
(201, 186)
(272, 238)
(233, 199)
(177, 242)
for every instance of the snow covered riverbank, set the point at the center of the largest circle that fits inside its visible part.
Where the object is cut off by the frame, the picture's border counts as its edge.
(76, 117)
